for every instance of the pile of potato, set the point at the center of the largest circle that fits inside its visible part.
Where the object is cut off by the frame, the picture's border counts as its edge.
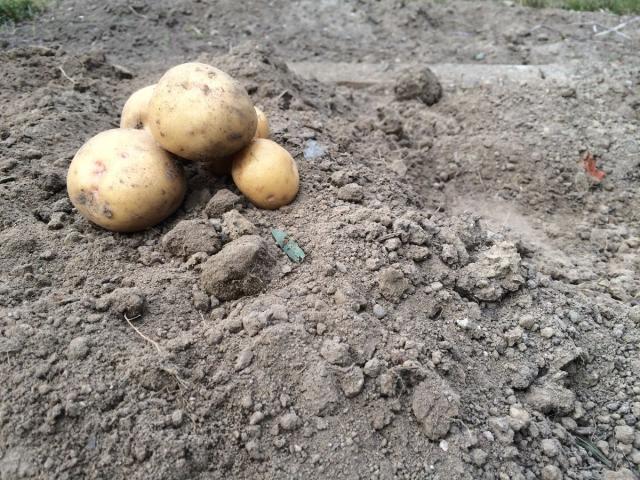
(130, 178)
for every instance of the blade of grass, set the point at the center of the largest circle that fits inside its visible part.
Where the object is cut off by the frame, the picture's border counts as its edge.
(620, 7)
(594, 451)
(17, 10)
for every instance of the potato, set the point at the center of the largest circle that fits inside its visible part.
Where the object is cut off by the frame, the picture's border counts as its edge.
(123, 181)
(266, 174)
(262, 130)
(134, 112)
(200, 113)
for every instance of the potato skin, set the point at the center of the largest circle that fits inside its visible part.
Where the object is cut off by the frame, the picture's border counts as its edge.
(123, 181)
(266, 174)
(134, 112)
(200, 113)
(262, 130)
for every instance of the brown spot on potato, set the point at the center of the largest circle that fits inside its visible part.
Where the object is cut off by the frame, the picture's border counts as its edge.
(81, 198)
(99, 168)
(106, 211)
(124, 155)
(205, 89)
(232, 137)
(88, 199)
(212, 74)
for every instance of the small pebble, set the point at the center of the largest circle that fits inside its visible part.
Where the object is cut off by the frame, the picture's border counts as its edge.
(624, 434)
(352, 382)
(57, 220)
(78, 348)
(289, 421)
(372, 367)
(256, 418)
(547, 332)
(352, 192)
(551, 472)
(550, 447)
(479, 456)
(177, 418)
(464, 323)
(244, 359)
(379, 311)
(48, 255)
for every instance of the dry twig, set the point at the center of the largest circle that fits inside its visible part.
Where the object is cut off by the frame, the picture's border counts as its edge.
(617, 28)
(64, 74)
(155, 344)
(137, 14)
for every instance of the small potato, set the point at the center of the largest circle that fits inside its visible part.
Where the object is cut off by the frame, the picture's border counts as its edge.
(200, 113)
(134, 112)
(123, 181)
(262, 130)
(266, 174)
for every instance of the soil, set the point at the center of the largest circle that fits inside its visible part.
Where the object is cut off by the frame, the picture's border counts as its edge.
(469, 303)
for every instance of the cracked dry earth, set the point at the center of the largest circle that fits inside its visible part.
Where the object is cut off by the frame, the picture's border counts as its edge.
(468, 306)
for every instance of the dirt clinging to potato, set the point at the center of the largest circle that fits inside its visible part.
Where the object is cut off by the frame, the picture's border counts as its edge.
(468, 303)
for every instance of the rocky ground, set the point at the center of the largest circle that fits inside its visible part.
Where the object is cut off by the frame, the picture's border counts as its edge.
(469, 302)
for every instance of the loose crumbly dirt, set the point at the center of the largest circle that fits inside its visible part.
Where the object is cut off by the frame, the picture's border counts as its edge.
(469, 303)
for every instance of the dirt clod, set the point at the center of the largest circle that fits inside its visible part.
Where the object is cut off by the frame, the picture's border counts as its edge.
(221, 202)
(392, 283)
(242, 267)
(189, 237)
(494, 274)
(551, 397)
(435, 405)
(352, 382)
(335, 352)
(78, 348)
(351, 192)
(235, 225)
(123, 301)
(418, 83)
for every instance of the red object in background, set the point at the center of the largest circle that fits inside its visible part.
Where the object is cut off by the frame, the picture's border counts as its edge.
(589, 164)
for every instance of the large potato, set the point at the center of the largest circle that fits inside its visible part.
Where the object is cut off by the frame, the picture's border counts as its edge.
(123, 181)
(200, 113)
(266, 174)
(134, 112)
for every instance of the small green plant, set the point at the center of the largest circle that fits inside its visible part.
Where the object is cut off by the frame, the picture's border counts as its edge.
(17, 10)
(621, 7)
